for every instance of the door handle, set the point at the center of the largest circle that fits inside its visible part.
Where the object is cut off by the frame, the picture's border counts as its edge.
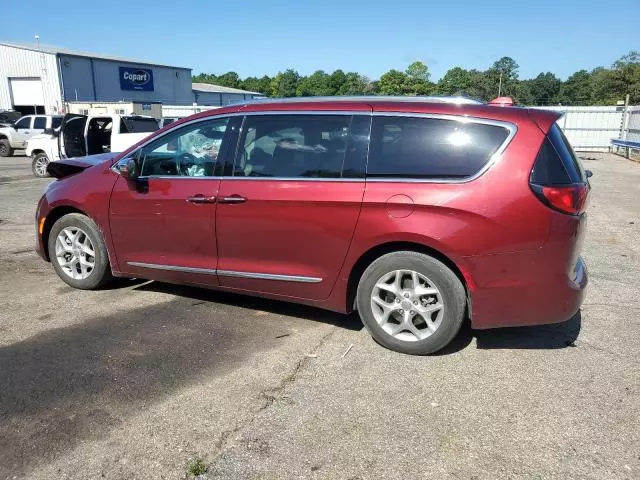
(201, 199)
(232, 199)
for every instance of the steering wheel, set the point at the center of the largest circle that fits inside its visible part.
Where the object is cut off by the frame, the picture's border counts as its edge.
(184, 161)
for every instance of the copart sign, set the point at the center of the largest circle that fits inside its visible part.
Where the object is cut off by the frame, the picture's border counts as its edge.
(136, 79)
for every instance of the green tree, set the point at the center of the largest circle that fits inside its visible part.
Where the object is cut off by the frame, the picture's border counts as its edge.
(577, 90)
(229, 79)
(394, 82)
(627, 70)
(355, 84)
(254, 84)
(285, 84)
(337, 80)
(418, 79)
(545, 88)
(316, 84)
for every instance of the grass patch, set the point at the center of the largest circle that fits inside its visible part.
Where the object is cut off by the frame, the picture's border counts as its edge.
(197, 467)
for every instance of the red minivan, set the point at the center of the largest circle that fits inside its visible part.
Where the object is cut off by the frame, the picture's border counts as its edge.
(415, 211)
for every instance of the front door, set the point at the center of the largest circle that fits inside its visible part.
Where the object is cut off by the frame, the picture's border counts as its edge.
(163, 225)
(288, 211)
(23, 131)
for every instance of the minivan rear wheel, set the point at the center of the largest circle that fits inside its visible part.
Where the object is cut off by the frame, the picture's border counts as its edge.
(410, 302)
(78, 253)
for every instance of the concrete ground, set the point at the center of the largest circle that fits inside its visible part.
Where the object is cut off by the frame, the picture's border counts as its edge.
(138, 380)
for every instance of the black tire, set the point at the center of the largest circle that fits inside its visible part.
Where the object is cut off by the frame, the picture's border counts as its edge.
(451, 290)
(5, 148)
(101, 273)
(36, 165)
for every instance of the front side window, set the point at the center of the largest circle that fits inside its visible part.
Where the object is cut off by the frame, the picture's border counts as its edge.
(190, 151)
(56, 122)
(40, 123)
(413, 147)
(293, 146)
(24, 123)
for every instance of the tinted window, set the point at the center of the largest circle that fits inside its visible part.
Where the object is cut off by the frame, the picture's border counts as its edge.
(24, 122)
(40, 123)
(293, 146)
(564, 149)
(56, 122)
(549, 168)
(556, 163)
(431, 148)
(138, 125)
(190, 151)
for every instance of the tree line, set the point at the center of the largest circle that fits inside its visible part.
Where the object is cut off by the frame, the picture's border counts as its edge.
(600, 86)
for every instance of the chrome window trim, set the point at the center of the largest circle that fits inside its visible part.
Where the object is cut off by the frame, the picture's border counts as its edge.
(173, 268)
(174, 127)
(228, 273)
(269, 276)
(495, 158)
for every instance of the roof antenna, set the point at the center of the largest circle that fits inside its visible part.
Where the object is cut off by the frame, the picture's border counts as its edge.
(37, 37)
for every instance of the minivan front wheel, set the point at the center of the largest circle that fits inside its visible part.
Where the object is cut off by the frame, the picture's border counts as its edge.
(78, 253)
(411, 302)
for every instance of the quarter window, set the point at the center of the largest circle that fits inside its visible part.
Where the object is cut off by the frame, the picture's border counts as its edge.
(190, 151)
(431, 148)
(293, 146)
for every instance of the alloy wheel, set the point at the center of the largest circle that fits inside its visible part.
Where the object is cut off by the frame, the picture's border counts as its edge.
(407, 305)
(75, 253)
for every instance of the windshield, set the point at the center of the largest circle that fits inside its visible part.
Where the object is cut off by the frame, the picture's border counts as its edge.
(138, 125)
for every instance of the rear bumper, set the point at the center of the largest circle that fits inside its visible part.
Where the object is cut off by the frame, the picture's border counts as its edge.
(550, 299)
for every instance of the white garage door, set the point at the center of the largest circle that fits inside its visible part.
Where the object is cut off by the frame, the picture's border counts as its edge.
(26, 91)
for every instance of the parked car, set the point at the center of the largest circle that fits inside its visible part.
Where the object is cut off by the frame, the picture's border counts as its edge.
(81, 135)
(9, 117)
(16, 135)
(416, 212)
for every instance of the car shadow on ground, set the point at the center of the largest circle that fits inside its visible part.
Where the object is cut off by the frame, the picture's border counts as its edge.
(350, 322)
(554, 336)
(538, 337)
(69, 384)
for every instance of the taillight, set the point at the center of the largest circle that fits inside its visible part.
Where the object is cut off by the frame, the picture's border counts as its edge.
(570, 199)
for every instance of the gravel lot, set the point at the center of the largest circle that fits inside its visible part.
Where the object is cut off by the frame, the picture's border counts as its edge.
(137, 380)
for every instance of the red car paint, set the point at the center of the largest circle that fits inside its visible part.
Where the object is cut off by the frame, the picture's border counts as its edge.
(518, 257)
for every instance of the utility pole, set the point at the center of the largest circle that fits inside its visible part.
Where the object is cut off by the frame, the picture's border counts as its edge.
(500, 85)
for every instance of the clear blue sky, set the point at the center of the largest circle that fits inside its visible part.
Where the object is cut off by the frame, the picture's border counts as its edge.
(257, 37)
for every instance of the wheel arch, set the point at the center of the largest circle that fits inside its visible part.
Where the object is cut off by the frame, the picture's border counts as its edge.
(54, 215)
(368, 257)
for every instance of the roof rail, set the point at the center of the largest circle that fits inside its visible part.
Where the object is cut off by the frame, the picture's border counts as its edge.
(460, 100)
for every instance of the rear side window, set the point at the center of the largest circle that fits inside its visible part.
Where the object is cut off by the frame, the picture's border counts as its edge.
(413, 147)
(138, 125)
(556, 163)
(293, 146)
(40, 123)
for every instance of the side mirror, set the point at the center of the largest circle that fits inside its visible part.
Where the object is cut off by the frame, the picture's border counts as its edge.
(588, 173)
(48, 131)
(128, 168)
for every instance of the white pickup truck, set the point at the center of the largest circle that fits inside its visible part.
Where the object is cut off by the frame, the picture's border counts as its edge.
(15, 135)
(81, 135)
